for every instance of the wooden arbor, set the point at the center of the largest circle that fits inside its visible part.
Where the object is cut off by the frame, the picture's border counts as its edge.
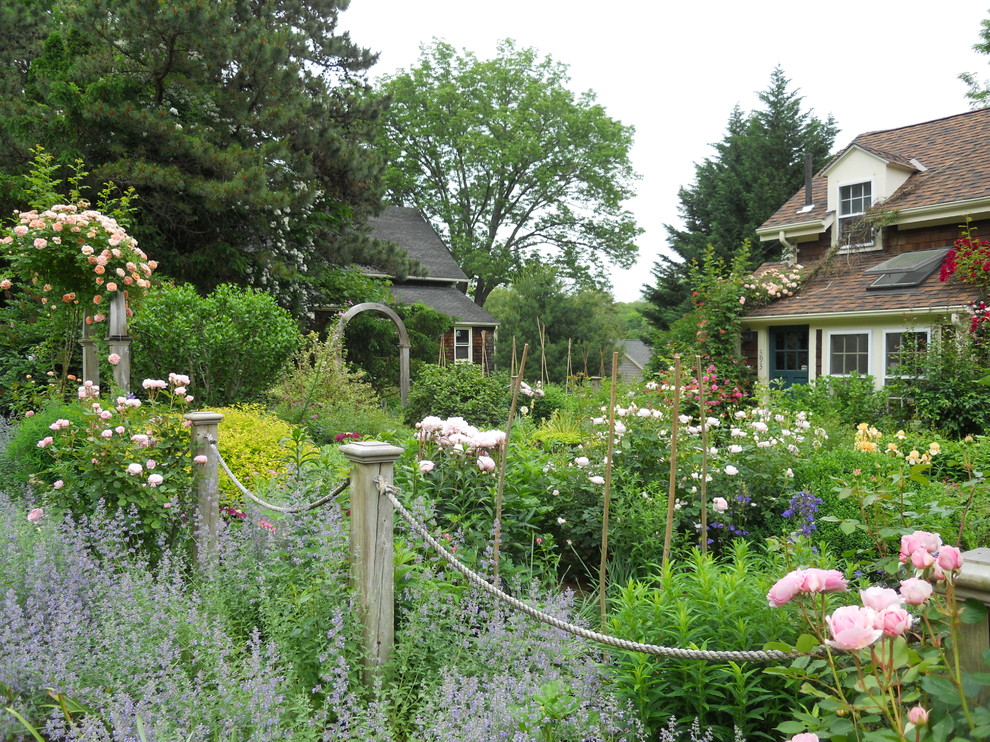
(403, 339)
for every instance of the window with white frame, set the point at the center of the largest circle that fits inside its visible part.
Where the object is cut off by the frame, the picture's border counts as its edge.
(899, 345)
(849, 352)
(462, 345)
(854, 200)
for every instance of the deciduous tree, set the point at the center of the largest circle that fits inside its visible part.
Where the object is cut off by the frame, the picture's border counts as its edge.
(510, 165)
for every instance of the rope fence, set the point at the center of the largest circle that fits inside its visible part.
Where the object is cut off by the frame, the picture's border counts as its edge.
(278, 509)
(755, 655)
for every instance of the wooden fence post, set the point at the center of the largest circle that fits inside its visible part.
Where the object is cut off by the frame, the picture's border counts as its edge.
(207, 477)
(372, 547)
(973, 581)
(90, 362)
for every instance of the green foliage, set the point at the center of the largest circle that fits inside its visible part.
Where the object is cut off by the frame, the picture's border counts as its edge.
(757, 166)
(251, 442)
(578, 321)
(233, 342)
(706, 603)
(460, 390)
(510, 164)
(838, 400)
(979, 90)
(244, 130)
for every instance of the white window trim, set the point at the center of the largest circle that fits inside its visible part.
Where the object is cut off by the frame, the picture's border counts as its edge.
(896, 330)
(470, 345)
(874, 244)
(827, 349)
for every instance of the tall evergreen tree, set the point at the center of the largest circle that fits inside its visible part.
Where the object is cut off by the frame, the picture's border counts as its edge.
(757, 166)
(242, 125)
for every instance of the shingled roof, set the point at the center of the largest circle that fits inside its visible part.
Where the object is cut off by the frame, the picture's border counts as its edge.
(446, 300)
(954, 153)
(842, 287)
(408, 228)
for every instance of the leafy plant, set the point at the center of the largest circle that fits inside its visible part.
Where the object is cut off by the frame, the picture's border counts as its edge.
(459, 390)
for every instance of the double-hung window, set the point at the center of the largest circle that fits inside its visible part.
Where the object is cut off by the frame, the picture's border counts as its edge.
(854, 200)
(849, 352)
(462, 345)
(900, 349)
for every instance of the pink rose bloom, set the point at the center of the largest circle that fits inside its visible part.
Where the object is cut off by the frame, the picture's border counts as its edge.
(46, 441)
(199, 459)
(893, 621)
(486, 463)
(918, 715)
(120, 429)
(134, 469)
(142, 440)
(106, 415)
(804, 737)
(155, 479)
(915, 591)
(5, 284)
(180, 391)
(35, 515)
(113, 357)
(921, 559)
(879, 598)
(950, 558)
(107, 433)
(426, 466)
(852, 627)
(189, 398)
(151, 464)
(58, 484)
(719, 504)
(919, 540)
(786, 588)
(823, 581)
(29, 413)
(266, 524)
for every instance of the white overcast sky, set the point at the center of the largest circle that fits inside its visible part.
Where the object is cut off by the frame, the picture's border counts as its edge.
(674, 69)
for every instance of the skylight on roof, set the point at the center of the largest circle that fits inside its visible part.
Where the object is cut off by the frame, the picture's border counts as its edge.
(907, 269)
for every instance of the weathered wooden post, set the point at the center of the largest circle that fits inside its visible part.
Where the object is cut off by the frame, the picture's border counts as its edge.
(973, 581)
(119, 341)
(372, 548)
(207, 477)
(90, 362)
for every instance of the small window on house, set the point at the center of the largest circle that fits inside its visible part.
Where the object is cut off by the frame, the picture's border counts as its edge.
(462, 345)
(854, 200)
(849, 353)
(899, 347)
(907, 269)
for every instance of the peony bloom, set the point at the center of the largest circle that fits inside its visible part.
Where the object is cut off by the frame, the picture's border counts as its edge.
(46, 441)
(731, 470)
(879, 598)
(581, 461)
(853, 627)
(134, 469)
(426, 466)
(915, 591)
(486, 463)
(107, 433)
(918, 715)
(155, 479)
(596, 480)
(893, 621)
(785, 588)
(35, 515)
(719, 504)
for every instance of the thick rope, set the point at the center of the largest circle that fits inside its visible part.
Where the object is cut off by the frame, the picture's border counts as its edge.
(756, 655)
(291, 509)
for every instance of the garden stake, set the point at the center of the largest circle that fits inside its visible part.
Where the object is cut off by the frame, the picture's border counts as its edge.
(570, 369)
(512, 367)
(516, 383)
(602, 576)
(703, 415)
(672, 484)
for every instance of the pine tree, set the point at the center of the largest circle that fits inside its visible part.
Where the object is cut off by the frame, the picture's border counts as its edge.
(756, 167)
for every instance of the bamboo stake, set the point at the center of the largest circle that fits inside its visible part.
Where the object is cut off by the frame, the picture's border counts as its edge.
(602, 576)
(503, 459)
(672, 483)
(512, 367)
(543, 351)
(570, 368)
(703, 415)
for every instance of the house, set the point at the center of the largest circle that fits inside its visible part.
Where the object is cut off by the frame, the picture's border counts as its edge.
(443, 287)
(870, 231)
(633, 357)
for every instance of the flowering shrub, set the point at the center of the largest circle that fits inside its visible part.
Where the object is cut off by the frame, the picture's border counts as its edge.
(968, 261)
(898, 675)
(133, 455)
(79, 253)
(771, 284)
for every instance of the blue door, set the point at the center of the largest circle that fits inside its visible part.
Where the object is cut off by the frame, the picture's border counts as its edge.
(789, 354)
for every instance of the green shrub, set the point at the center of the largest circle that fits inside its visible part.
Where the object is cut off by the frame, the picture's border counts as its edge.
(251, 442)
(718, 605)
(460, 390)
(232, 343)
(23, 459)
(838, 399)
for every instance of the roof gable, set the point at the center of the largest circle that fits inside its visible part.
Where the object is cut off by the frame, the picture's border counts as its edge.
(407, 228)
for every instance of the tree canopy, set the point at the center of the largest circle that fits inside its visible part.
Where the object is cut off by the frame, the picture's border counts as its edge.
(979, 90)
(242, 126)
(757, 166)
(510, 165)
(585, 318)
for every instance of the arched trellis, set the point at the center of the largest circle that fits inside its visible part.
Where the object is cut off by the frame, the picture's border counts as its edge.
(403, 339)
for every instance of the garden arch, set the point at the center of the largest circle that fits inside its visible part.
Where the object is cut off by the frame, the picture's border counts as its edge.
(403, 339)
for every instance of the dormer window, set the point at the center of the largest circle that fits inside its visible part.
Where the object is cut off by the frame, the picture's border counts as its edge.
(854, 200)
